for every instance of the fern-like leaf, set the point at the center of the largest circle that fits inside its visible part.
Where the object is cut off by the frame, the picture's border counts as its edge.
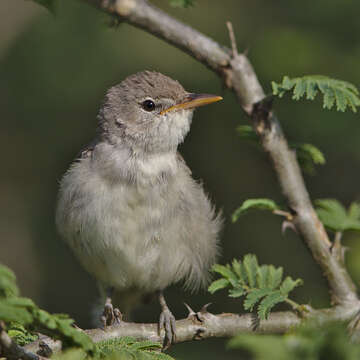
(262, 286)
(255, 296)
(275, 276)
(251, 267)
(289, 285)
(268, 302)
(336, 92)
(218, 285)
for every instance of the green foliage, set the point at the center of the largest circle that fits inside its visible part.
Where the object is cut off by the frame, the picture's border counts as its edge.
(341, 93)
(126, 348)
(259, 204)
(23, 317)
(130, 348)
(335, 217)
(308, 342)
(182, 3)
(262, 286)
(8, 285)
(20, 334)
(49, 4)
(246, 132)
(308, 155)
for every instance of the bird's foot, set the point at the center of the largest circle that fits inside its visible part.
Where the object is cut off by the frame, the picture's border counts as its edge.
(110, 315)
(167, 322)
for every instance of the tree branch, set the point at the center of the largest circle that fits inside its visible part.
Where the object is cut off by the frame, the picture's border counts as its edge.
(203, 325)
(239, 76)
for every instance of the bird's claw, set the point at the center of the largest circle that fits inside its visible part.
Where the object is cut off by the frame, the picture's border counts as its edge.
(110, 315)
(167, 321)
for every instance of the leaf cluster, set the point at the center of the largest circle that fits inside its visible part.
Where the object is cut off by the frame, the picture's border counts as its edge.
(262, 286)
(24, 318)
(130, 348)
(335, 217)
(336, 92)
(308, 342)
(307, 155)
(125, 348)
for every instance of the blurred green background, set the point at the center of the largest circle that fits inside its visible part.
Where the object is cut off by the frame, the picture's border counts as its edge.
(53, 74)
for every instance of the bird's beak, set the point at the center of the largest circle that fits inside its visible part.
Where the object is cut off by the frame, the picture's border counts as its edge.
(192, 101)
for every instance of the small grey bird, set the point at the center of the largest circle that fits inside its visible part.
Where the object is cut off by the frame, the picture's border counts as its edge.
(128, 206)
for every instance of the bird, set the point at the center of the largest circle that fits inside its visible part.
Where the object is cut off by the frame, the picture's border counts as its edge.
(128, 205)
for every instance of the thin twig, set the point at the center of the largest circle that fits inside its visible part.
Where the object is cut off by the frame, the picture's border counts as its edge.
(232, 39)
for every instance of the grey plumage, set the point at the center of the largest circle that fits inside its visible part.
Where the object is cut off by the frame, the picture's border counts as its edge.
(128, 207)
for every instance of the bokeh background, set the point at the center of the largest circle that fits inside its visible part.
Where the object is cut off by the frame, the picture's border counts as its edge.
(53, 74)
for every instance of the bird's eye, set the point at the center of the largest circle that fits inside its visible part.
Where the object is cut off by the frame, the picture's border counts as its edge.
(148, 105)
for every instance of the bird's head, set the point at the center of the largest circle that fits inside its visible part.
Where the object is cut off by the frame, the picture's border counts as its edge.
(149, 112)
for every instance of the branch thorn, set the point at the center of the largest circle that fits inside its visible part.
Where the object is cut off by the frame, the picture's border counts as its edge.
(232, 39)
(204, 308)
(286, 224)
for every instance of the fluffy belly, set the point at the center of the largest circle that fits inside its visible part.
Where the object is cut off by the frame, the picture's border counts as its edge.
(137, 245)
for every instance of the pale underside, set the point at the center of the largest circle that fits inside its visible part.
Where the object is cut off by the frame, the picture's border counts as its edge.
(143, 231)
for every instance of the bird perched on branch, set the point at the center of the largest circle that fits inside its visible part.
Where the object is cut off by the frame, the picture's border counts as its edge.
(128, 206)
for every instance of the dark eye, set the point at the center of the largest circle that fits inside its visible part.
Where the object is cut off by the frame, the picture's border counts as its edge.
(148, 105)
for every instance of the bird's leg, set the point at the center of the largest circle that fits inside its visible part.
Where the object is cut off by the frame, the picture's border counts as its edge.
(110, 315)
(166, 321)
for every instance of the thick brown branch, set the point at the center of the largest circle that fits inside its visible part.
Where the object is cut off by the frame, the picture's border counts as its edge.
(240, 76)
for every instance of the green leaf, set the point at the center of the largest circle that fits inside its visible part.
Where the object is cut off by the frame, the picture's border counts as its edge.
(336, 92)
(129, 348)
(239, 270)
(10, 312)
(253, 297)
(262, 285)
(226, 272)
(354, 211)
(260, 204)
(21, 335)
(335, 217)
(182, 3)
(48, 4)
(275, 277)
(8, 285)
(237, 292)
(218, 284)
(268, 303)
(312, 152)
(246, 132)
(308, 156)
(289, 284)
(251, 265)
(262, 276)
